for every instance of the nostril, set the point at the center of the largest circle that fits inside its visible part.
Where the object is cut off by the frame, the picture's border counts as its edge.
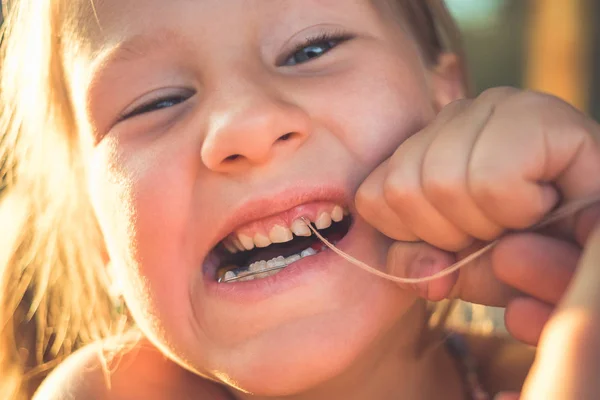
(232, 157)
(285, 137)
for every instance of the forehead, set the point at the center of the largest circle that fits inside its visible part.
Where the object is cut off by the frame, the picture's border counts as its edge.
(119, 20)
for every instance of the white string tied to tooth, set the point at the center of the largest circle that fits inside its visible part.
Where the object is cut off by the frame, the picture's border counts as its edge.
(562, 212)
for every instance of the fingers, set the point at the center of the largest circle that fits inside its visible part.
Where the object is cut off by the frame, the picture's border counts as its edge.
(586, 220)
(419, 260)
(371, 205)
(584, 291)
(477, 282)
(392, 197)
(567, 360)
(484, 166)
(538, 266)
(521, 264)
(525, 319)
(506, 172)
(403, 192)
(445, 170)
(523, 153)
(568, 356)
(474, 283)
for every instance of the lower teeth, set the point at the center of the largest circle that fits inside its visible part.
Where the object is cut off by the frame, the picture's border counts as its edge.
(271, 267)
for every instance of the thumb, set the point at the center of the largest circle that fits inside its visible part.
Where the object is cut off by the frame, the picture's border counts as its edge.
(475, 283)
(421, 260)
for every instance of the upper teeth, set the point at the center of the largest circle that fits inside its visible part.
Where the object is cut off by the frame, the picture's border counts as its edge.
(281, 234)
(323, 221)
(300, 228)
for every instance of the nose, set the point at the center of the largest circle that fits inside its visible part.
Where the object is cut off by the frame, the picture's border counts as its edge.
(251, 125)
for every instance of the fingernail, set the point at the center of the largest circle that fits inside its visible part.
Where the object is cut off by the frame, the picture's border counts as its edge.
(422, 267)
(428, 265)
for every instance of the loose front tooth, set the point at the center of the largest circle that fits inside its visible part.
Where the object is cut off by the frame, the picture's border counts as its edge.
(337, 214)
(246, 241)
(292, 259)
(261, 240)
(230, 246)
(280, 234)
(324, 221)
(238, 244)
(300, 228)
(308, 252)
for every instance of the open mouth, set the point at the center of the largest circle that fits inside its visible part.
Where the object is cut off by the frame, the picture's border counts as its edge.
(242, 258)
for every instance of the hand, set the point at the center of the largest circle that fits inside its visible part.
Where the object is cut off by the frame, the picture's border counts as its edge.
(568, 356)
(485, 166)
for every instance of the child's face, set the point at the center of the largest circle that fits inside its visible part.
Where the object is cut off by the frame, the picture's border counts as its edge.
(208, 159)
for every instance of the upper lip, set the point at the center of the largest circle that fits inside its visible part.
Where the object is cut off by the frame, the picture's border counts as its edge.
(277, 202)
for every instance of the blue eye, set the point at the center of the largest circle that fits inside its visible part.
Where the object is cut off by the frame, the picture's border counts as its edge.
(155, 105)
(314, 48)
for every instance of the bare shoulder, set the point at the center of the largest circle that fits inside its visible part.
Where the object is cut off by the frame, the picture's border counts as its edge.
(504, 362)
(136, 371)
(81, 375)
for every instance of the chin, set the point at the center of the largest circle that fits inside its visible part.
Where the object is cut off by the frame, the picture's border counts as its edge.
(306, 353)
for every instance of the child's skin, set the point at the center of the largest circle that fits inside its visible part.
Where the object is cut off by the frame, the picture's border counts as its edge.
(183, 169)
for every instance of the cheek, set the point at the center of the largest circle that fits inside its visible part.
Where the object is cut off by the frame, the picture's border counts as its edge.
(374, 108)
(145, 223)
(161, 185)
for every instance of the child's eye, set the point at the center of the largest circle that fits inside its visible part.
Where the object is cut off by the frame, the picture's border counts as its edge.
(155, 105)
(314, 48)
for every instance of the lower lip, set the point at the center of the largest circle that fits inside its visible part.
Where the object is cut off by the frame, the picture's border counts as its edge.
(302, 272)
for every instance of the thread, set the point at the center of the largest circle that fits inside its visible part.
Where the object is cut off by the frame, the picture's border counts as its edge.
(562, 212)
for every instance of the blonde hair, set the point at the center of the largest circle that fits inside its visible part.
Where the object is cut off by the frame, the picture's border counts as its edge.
(53, 281)
(54, 294)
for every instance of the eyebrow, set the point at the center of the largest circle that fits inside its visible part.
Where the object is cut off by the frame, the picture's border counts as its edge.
(138, 46)
(130, 49)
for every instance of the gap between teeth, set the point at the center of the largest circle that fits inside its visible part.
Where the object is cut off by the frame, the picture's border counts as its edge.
(282, 234)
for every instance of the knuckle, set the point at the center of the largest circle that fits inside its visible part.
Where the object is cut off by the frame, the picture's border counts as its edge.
(531, 98)
(366, 198)
(486, 190)
(485, 181)
(368, 207)
(497, 94)
(454, 107)
(486, 193)
(441, 189)
(399, 194)
(535, 103)
(455, 242)
(489, 232)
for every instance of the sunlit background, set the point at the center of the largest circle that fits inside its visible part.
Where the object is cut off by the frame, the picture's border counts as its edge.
(547, 45)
